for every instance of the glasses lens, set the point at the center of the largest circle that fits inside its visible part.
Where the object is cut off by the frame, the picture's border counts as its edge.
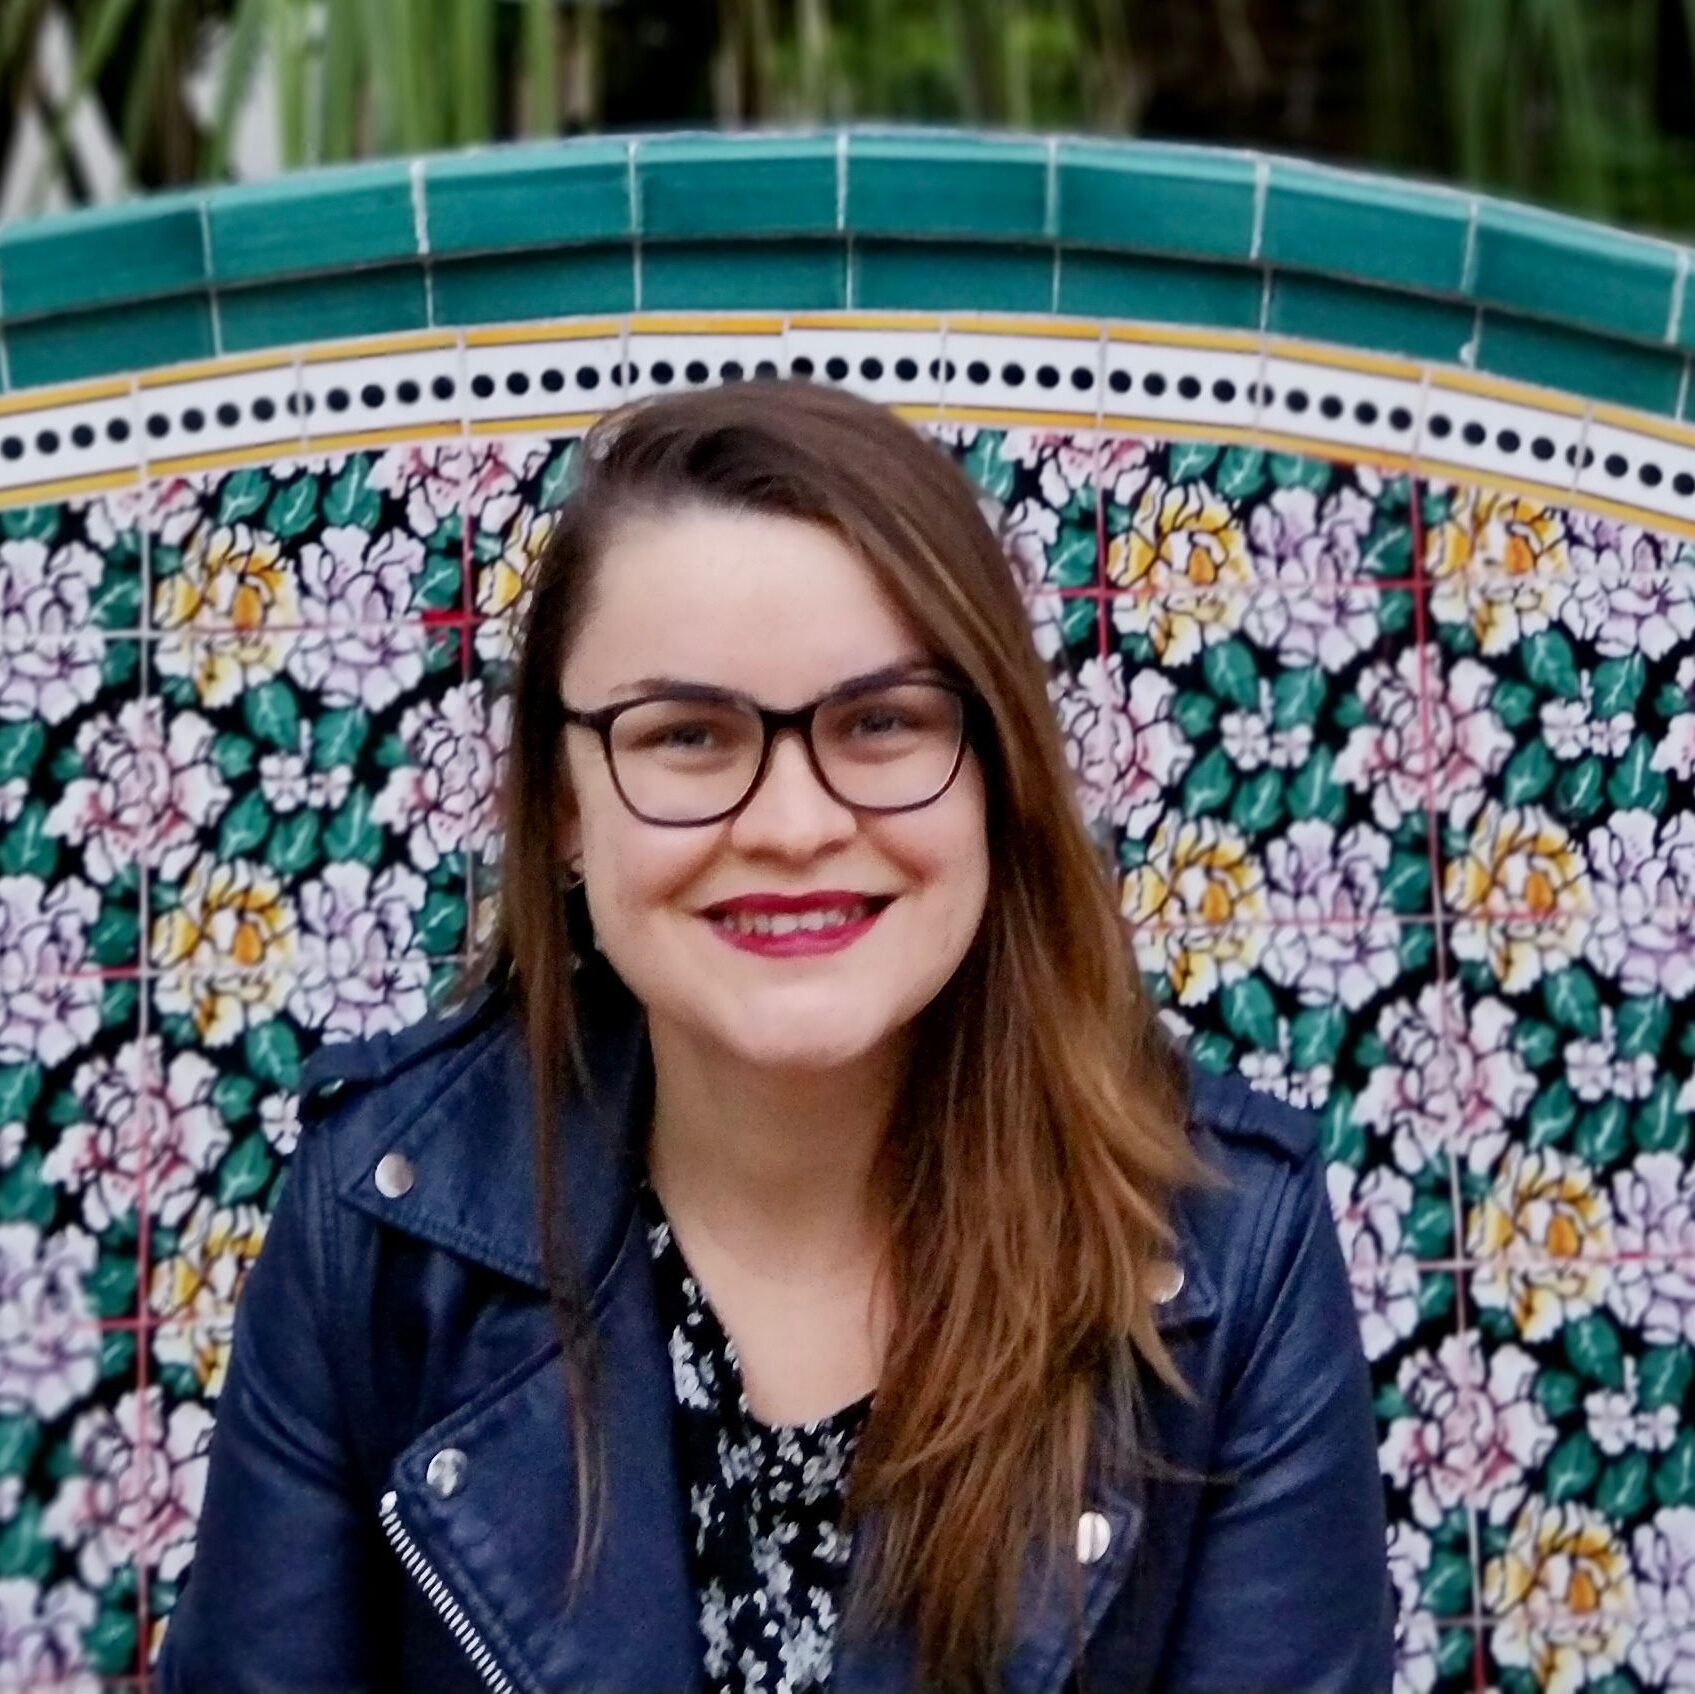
(891, 747)
(678, 760)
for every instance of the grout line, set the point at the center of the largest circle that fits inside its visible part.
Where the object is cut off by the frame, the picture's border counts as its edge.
(1580, 456)
(633, 191)
(852, 267)
(841, 180)
(1050, 192)
(1262, 193)
(1681, 410)
(211, 277)
(1468, 263)
(1679, 287)
(421, 235)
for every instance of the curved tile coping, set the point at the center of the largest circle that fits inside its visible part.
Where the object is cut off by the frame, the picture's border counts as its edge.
(861, 218)
(1119, 378)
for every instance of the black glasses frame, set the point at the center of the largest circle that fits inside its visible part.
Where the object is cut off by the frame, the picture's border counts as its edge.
(772, 723)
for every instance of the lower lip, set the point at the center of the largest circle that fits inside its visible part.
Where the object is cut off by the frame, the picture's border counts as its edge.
(799, 943)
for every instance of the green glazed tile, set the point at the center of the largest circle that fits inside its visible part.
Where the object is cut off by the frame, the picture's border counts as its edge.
(536, 195)
(1138, 198)
(1108, 285)
(510, 287)
(371, 302)
(1580, 273)
(920, 276)
(1369, 227)
(316, 221)
(751, 275)
(946, 185)
(737, 185)
(1381, 319)
(1586, 365)
(101, 255)
(114, 339)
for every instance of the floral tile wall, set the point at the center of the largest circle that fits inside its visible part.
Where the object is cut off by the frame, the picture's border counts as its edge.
(1396, 777)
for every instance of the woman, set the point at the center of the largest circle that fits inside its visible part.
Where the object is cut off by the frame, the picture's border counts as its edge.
(805, 1258)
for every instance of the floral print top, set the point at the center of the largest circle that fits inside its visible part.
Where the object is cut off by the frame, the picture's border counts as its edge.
(768, 1555)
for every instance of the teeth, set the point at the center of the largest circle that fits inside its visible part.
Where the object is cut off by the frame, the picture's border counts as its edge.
(788, 923)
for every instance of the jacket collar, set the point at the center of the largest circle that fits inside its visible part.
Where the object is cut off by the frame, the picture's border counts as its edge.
(502, 1550)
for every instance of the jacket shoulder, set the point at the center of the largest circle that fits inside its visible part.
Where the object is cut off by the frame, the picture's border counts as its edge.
(1233, 1109)
(335, 1071)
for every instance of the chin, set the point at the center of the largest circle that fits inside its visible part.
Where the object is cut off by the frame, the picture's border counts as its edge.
(799, 1037)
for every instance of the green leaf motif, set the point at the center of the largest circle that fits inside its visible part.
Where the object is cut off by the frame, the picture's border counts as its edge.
(1453, 1654)
(1071, 563)
(1191, 459)
(1435, 1296)
(1580, 790)
(20, 1088)
(1208, 783)
(441, 925)
(1635, 782)
(1406, 883)
(1341, 1139)
(1640, 1025)
(1602, 1135)
(1195, 711)
(440, 586)
(1513, 703)
(233, 1095)
(293, 846)
(1623, 1488)
(245, 825)
(1295, 470)
(273, 1053)
(24, 1550)
(20, 749)
(1617, 685)
(1212, 1052)
(1549, 663)
(1552, 1113)
(1446, 1590)
(339, 736)
(1259, 803)
(1571, 1467)
(32, 523)
(1674, 1476)
(1241, 473)
(1663, 1377)
(351, 834)
(1528, 773)
(1592, 1345)
(351, 498)
(1660, 1127)
(1232, 675)
(243, 494)
(272, 714)
(1389, 551)
(116, 937)
(561, 473)
(111, 1287)
(245, 1170)
(233, 755)
(27, 849)
(110, 1643)
(1077, 620)
(1573, 1001)
(1250, 1013)
(1297, 697)
(1315, 1036)
(1557, 1392)
(1429, 1229)
(1312, 794)
(19, 1438)
(292, 507)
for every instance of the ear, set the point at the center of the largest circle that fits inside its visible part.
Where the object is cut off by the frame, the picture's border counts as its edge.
(567, 840)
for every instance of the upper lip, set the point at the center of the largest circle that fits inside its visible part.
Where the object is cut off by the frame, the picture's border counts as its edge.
(819, 900)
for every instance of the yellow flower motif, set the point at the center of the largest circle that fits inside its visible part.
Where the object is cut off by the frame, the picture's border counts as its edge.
(235, 575)
(1519, 864)
(1201, 881)
(194, 1291)
(223, 668)
(1178, 624)
(1498, 532)
(1182, 536)
(503, 581)
(1542, 1238)
(1564, 1596)
(229, 914)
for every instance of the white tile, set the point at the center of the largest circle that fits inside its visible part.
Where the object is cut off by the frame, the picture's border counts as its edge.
(890, 363)
(517, 382)
(1466, 432)
(1198, 387)
(220, 414)
(1340, 407)
(1639, 469)
(379, 391)
(1031, 373)
(86, 438)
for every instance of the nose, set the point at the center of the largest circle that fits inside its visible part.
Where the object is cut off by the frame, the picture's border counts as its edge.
(791, 811)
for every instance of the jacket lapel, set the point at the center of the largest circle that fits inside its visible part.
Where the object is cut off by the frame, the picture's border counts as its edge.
(502, 1540)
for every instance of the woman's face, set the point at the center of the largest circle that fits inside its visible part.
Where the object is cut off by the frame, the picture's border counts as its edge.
(781, 610)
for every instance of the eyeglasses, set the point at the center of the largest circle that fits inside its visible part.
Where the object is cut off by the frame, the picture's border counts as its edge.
(694, 754)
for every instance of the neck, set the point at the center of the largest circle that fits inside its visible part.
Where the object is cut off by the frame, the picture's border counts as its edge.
(781, 1170)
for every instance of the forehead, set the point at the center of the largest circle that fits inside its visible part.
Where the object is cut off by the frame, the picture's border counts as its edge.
(774, 606)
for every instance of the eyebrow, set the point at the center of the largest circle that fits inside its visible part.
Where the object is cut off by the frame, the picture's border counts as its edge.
(901, 670)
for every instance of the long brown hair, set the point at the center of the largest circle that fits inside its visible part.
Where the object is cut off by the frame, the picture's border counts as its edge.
(1042, 1131)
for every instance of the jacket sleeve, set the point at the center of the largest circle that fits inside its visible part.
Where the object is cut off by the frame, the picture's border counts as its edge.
(1289, 1589)
(275, 1597)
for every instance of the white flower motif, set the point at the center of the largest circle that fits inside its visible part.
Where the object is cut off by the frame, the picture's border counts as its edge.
(1123, 743)
(41, 1636)
(1618, 1423)
(49, 1002)
(1662, 1648)
(49, 1345)
(46, 590)
(443, 799)
(1368, 1214)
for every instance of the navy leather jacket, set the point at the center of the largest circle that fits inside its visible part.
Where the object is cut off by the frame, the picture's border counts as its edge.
(395, 1315)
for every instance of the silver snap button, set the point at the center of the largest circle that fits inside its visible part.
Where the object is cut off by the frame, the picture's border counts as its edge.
(446, 1472)
(394, 1175)
(1093, 1535)
(1167, 1282)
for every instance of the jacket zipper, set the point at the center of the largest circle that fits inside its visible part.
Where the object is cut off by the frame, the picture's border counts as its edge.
(419, 1568)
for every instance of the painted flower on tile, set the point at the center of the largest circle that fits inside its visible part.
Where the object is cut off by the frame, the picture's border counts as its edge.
(229, 914)
(220, 669)
(49, 1349)
(41, 1635)
(1471, 1432)
(49, 1004)
(47, 589)
(1541, 1236)
(1565, 1596)
(1662, 1649)
(1124, 744)
(1199, 873)
(49, 678)
(1498, 531)
(1298, 538)
(195, 1289)
(232, 575)
(442, 799)
(429, 478)
(1618, 1422)
(1368, 1211)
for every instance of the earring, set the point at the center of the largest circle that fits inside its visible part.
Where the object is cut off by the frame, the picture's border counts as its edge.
(574, 874)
